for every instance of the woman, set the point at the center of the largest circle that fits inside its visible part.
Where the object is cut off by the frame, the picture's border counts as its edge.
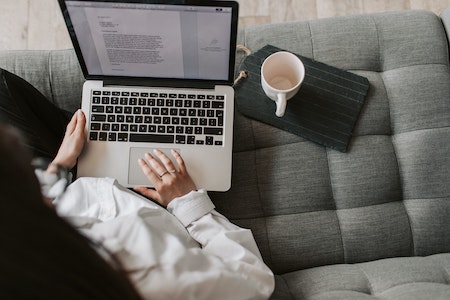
(187, 251)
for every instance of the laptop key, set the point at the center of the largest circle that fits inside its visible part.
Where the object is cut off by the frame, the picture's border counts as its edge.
(152, 138)
(95, 126)
(209, 140)
(181, 139)
(112, 137)
(213, 131)
(106, 126)
(93, 136)
(191, 139)
(98, 118)
(122, 137)
(103, 136)
(171, 118)
(218, 104)
(98, 108)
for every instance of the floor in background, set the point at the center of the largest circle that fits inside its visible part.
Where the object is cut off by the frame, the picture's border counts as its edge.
(38, 24)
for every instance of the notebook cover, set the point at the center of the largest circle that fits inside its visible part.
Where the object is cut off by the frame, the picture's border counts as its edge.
(325, 109)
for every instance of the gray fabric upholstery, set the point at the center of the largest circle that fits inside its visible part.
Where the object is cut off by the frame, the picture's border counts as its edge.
(370, 223)
(387, 197)
(56, 74)
(394, 278)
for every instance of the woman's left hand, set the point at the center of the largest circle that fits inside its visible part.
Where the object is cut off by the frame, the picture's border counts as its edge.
(73, 142)
(169, 182)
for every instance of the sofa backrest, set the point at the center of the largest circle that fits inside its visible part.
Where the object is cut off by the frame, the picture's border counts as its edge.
(307, 205)
(389, 195)
(55, 73)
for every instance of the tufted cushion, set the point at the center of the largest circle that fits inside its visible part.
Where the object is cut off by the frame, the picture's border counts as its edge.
(316, 213)
(394, 278)
(56, 74)
(333, 225)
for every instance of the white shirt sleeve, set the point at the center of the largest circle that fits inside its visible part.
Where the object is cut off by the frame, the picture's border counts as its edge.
(235, 258)
(188, 251)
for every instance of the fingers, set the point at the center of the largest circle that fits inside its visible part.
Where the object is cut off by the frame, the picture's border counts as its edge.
(180, 161)
(152, 194)
(157, 167)
(73, 142)
(168, 165)
(168, 182)
(77, 123)
(164, 165)
(81, 120)
(72, 124)
(148, 171)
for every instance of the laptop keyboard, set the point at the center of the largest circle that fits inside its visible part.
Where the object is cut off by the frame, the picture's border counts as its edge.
(119, 116)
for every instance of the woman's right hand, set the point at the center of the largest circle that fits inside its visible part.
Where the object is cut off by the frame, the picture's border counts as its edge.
(169, 182)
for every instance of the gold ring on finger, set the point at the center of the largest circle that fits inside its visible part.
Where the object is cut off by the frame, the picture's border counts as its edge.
(163, 173)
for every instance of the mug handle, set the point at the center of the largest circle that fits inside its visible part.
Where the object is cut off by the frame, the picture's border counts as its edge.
(281, 104)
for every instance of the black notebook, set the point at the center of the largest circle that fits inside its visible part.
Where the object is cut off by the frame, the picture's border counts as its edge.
(324, 110)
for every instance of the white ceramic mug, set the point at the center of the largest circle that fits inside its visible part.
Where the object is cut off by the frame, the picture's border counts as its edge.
(281, 76)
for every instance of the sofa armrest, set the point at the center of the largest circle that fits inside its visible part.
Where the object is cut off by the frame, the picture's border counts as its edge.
(445, 17)
(55, 73)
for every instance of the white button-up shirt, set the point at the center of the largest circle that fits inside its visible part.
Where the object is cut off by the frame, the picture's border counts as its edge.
(188, 251)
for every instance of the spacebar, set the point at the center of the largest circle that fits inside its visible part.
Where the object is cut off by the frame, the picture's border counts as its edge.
(152, 138)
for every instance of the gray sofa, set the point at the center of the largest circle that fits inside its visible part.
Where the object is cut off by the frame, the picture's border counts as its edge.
(372, 223)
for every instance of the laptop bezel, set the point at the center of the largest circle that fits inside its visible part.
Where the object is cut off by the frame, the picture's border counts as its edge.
(152, 81)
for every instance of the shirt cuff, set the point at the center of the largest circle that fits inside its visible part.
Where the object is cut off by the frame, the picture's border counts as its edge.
(191, 206)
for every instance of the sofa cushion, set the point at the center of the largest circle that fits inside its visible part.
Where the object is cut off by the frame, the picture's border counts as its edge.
(395, 278)
(55, 73)
(388, 196)
(337, 225)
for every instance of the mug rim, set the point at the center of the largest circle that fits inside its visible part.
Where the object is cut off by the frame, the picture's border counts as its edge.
(302, 66)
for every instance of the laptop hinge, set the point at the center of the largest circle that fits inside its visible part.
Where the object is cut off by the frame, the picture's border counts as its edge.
(197, 84)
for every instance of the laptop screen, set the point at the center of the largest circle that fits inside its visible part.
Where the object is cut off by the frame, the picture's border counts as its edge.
(153, 40)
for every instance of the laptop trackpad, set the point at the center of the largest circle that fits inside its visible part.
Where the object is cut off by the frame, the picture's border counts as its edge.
(135, 174)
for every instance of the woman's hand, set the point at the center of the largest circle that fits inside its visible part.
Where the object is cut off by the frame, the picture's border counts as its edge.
(73, 142)
(169, 182)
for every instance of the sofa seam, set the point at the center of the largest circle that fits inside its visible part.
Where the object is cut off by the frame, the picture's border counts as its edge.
(400, 133)
(359, 135)
(408, 66)
(312, 40)
(287, 285)
(416, 130)
(244, 32)
(342, 209)
(410, 283)
(49, 66)
(402, 196)
(369, 284)
(380, 62)
(260, 195)
(445, 273)
(430, 198)
(274, 146)
(257, 177)
(344, 253)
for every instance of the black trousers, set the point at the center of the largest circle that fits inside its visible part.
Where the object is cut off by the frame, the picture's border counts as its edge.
(41, 123)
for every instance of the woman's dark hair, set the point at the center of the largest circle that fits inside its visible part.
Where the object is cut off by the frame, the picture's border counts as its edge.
(42, 256)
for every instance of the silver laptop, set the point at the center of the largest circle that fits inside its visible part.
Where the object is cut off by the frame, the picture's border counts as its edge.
(158, 76)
